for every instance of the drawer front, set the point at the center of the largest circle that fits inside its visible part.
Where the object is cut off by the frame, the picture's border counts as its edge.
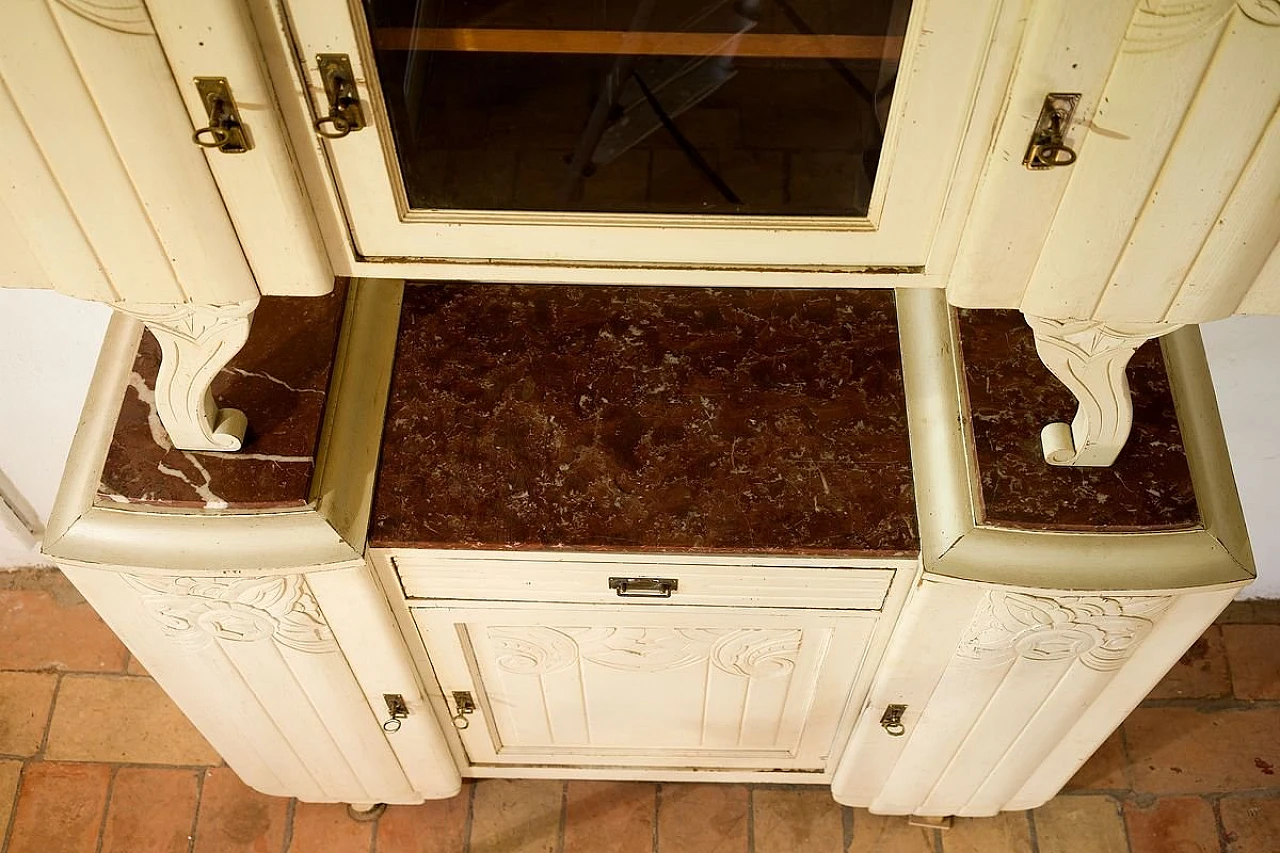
(432, 576)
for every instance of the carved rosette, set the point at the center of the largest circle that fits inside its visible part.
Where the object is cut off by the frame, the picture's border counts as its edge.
(533, 650)
(195, 611)
(744, 652)
(1101, 632)
(196, 341)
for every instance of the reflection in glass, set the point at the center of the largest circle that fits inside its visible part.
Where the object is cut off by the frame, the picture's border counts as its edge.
(646, 106)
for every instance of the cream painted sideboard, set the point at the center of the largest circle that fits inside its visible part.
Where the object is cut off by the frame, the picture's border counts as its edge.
(280, 634)
(1009, 653)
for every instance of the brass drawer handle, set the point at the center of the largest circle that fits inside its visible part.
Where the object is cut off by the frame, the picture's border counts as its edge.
(644, 587)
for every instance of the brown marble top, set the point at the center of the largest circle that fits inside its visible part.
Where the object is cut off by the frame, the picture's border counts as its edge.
(1012, 396)
(279, 380)
(653, 419)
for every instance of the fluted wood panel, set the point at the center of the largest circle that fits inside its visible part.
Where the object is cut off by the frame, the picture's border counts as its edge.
(1008, 692)
(99, 178)
(1170, 213)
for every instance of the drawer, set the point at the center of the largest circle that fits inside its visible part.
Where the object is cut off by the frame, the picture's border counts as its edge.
(433, 576)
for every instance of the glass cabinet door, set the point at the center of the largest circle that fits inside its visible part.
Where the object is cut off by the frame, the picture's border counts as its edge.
(716, 134)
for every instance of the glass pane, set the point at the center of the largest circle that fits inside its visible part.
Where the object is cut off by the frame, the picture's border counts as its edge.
(646, 106)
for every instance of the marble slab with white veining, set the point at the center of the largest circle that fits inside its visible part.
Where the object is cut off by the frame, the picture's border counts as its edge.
(279, 379)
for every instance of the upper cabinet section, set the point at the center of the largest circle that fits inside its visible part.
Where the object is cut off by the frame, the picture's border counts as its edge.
(1172, 211)
(102, 194)
(748, 136)
(105, 192)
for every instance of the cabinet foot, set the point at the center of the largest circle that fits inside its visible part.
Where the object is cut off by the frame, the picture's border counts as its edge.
(196, 341)
(931, 822)
(365, 812)
(1090, 358)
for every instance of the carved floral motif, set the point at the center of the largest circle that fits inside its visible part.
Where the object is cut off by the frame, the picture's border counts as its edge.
(122, 16)
(1164, 24)
(1099, 631)
(195, 610)
(745, 652)
(1263, 11)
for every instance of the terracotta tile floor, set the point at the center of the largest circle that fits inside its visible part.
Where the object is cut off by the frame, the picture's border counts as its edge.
(94, 758)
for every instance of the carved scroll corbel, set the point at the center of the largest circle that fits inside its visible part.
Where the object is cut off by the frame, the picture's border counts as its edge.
(196, 341)
(1090, 358)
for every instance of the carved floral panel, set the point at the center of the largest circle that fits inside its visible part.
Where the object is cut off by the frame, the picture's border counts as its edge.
(1102, 632)
(745, 652)
(197, 610)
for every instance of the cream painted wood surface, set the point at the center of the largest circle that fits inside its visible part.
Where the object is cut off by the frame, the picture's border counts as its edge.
(1008, 693)
(101, 181)
(1169, 215)
(946, 52)
(267, 629)
(758, 689)
(262, 189)
(428, 577)
(255, 664)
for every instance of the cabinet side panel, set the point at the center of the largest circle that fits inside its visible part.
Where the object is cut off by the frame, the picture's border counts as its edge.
(255, 665)
(1180, 626)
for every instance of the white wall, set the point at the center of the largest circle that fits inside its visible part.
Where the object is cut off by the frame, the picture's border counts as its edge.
(48, 345)
(1244, 358)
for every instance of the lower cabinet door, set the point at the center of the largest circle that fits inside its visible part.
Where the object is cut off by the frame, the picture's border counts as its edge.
(648, 685)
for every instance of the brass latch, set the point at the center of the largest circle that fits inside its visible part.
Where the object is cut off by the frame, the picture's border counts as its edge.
(644, 587)
(397, 710)
(891, 720)
(1047, 148)
(465, 705)
(345, 115)
(225, 131)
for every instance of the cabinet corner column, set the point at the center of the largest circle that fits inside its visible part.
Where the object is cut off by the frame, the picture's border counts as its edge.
(256, 665)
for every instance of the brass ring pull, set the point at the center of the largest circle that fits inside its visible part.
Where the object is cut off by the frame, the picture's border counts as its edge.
(218, 137)
(1047, 154)
(891, 721)
(460, 721)
(392, 725)
(341, 127)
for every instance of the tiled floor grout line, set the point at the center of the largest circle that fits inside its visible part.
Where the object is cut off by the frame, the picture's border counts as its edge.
(1124, 822)
(1033, 834)
(469, 820)
(1223, 842)
(657, 809)
(564, 816)
(106, 809)
(290, 810)
(13, 812)
(48, 720)
(1226, 663)
(195, 815)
